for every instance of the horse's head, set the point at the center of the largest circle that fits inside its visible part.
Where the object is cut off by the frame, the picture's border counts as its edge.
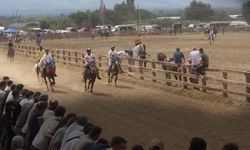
(161, 57)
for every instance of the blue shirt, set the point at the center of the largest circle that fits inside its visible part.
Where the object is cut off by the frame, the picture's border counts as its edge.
(178, 56)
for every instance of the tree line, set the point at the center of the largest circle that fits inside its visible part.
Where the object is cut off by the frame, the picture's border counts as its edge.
(127, 12)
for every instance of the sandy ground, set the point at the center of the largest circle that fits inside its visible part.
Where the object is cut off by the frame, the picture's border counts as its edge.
(142, 113)
(231, 50)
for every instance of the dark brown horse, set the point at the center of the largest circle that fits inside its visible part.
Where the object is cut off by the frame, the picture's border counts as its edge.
(90, 75)
(113, 72)
(163, 58)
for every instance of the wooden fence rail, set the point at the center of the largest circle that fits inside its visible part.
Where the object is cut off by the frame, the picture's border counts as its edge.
(216, 80)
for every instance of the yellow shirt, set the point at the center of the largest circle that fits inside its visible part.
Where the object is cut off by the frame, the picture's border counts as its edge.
(40, 54)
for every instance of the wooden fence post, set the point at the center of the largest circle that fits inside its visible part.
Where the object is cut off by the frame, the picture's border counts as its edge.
(141, 62)
(185, 79)
(69, 56)
(64, 59)
(58, 55)
(76, 58)
(225, 86)
(153, 71)
(130, 63)
(100, 61)
(204, 83)
(247, 74)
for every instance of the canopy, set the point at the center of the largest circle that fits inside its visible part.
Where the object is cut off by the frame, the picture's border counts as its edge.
(10, 30)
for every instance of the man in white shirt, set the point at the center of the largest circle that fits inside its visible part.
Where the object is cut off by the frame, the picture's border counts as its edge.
(90, 60)
(113, 57)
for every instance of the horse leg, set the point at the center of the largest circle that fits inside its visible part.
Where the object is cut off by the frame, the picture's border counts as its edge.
(116, 78)
(92, 85)
(112, 77)
(45, 80)
(85, 81)
(89, 83)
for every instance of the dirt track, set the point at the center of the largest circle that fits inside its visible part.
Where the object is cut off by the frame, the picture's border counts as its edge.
(139, 113)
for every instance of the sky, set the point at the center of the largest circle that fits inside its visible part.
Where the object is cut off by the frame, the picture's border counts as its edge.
(47, 7)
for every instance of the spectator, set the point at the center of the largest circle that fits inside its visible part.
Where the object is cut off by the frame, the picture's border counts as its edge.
(230, 146)
(179, 59)
(19, 87)
(8, 87)
(56, 141)
(28, 98)
(35, 122)
(17, 143)
(93, 135)
(101, 144)
(137, 147)
(42, 98)
(6, 78)
(194, 60)
(12, 111)
(118, 143)
(23, 95)
(204, 63)
(2, 92)
(21, 120)
(50, 111)
(198, 144)
(156, 144)
(73, 133)
(45, 134)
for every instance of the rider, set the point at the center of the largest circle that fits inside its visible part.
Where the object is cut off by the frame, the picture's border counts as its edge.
(90, 59)
(138, 40)
(50, 61)
(40, 54)
(113, 58)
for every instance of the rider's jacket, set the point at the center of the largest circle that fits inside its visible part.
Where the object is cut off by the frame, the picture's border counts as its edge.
(40, 54)
(112, 54)
(89, 58)
(48, 58)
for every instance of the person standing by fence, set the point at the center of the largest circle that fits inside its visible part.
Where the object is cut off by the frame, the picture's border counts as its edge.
(179, 59)
(203, 64)
(11, 51)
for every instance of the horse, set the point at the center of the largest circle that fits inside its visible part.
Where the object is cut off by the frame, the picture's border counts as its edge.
(163, 58)
(90, 75)
(113, 72)
(43, 70)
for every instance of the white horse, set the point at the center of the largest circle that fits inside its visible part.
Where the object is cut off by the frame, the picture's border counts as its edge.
(135, 52)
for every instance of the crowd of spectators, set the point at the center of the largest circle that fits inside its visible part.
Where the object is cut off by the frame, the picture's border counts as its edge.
(30, 121)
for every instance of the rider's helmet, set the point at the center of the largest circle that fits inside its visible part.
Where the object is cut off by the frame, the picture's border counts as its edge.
(88, 50)
(112, 47)
(46, 50)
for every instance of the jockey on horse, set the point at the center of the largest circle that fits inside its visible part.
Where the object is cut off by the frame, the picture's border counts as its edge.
(90, 60)
(113, 58)
(50, 63)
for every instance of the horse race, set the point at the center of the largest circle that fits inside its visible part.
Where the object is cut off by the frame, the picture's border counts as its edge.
(124, 75)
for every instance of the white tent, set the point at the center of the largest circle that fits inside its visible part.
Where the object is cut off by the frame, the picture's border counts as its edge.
(1, 28)
(239, 23)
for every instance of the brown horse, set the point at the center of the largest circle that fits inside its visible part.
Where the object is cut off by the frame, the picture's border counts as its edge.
(113, 72)
(46, 73)
(163, 58)
(90, 75)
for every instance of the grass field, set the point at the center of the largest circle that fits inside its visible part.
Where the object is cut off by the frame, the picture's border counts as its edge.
(231, 50)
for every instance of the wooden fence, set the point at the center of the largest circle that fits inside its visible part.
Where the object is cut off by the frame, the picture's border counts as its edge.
(233, 83)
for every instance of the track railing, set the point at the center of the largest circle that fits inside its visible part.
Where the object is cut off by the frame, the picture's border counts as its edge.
(233, 83)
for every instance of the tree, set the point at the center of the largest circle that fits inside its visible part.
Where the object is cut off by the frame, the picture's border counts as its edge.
(199, 11)
(246, 11)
